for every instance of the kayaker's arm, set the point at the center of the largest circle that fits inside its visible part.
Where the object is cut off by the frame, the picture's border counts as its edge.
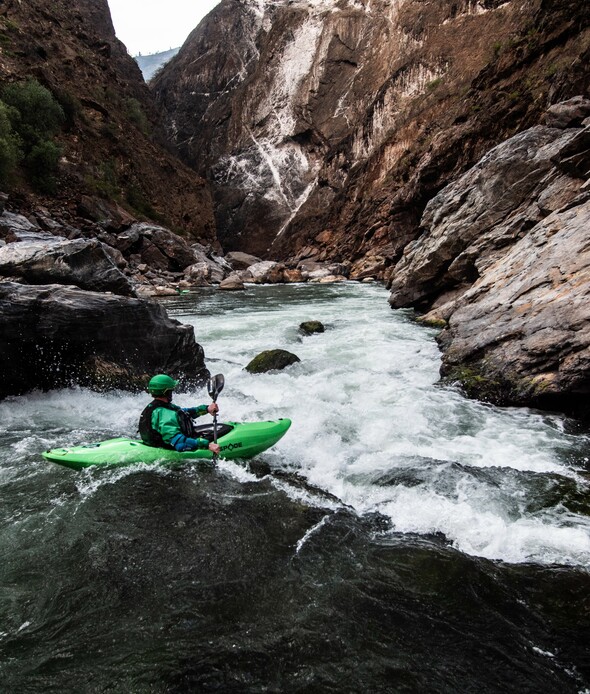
(200, 410)
(183, 443)
(166, 422)
(197, 411)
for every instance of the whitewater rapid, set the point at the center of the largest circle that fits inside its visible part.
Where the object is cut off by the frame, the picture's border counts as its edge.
(372, 427)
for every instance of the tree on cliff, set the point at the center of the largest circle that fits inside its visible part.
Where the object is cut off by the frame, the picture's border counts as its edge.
(30, 117)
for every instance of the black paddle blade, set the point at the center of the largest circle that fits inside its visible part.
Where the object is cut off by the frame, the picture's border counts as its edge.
(215, 386)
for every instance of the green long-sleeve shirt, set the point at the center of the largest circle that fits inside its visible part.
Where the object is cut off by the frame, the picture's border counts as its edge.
(166, 423)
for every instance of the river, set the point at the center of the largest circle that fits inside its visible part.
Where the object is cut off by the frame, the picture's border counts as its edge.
(400, 538)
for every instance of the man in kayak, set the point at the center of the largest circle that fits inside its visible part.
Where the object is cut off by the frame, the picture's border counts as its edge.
(165, 425)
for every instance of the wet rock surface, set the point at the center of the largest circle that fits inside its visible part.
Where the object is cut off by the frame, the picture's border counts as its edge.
(311, 327)
(271, 360)
(81, 262)
(504, 263)
(54, 336)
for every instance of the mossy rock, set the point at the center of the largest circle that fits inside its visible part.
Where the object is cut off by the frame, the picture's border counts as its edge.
(439, 323)
(271, 360)
(309, 327)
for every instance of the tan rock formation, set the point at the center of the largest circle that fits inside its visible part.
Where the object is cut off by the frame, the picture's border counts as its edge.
(326, 127)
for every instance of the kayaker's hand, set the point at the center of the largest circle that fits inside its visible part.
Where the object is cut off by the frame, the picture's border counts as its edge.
(215, 448)
(213, 408)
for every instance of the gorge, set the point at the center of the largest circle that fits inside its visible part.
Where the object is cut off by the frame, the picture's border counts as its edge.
(410, 180)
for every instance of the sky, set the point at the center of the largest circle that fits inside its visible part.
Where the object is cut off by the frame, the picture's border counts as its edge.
(152, 26)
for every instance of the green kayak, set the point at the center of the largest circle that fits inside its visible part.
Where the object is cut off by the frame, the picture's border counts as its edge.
(237, 440)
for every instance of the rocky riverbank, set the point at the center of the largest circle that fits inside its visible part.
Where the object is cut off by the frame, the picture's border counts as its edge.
(75, 301)
(503, 263)
(135, 258)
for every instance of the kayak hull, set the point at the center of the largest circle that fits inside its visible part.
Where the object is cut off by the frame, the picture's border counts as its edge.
(244, 440)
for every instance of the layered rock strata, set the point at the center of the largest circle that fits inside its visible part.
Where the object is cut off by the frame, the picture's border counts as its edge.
(325, 127)
(504, 262)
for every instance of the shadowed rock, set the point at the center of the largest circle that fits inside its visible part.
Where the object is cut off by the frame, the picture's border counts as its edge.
(310, 327)
(241, 261)
(271, 360)
(53, 336)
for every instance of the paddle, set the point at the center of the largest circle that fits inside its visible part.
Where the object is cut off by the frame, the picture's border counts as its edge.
(214, 387)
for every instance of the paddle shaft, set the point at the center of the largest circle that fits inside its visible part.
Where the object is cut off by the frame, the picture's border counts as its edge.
(215, 386)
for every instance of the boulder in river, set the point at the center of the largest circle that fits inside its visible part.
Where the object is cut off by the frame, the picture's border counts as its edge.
(49, 259)
(241, 261)
(271, 360)
(309, 327)
(54, 336)
(264, 272)
(232, 283)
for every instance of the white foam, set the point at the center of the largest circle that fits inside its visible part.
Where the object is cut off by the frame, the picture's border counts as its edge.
(370, 425)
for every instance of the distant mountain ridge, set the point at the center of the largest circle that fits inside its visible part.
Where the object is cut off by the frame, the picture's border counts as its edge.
(150, 64)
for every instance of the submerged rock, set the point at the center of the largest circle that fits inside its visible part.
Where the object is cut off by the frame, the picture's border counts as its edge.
(311, 326)
(53, 336)
(271, 360)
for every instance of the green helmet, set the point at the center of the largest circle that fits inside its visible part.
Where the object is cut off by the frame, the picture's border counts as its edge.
(160, 383)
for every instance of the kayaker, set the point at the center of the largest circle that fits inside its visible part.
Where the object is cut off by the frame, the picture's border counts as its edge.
(165, 425)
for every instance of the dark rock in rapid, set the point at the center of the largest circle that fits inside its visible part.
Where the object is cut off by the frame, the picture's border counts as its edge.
(310, 327)
(49, 259)
(271, 360)
(504, 262)
(53, 336)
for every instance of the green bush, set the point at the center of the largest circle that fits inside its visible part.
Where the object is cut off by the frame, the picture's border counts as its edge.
(30, 117)
(106, 184)
(70, 105)
(10, 151)
(41, 164)
(136, 115)
(40, 115)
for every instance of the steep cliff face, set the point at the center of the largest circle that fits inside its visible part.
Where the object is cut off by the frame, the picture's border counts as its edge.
(111, 145)
(504, 263)
(326, 126)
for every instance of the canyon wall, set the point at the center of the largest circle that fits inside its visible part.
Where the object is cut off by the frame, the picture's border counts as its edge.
(112, 146)
(326, 126)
